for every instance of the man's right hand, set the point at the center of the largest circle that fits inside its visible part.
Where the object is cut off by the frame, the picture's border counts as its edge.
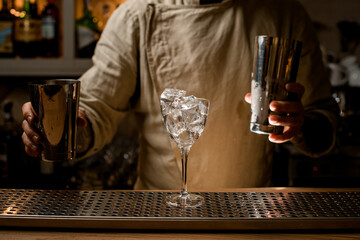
(31, 136)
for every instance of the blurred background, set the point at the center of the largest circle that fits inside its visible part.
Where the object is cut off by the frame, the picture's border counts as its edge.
(59, 44)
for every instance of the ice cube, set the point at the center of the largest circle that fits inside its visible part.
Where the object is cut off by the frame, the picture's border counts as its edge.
(189, 102)
(167, 99)
(183, 116)
(165, 108)
(204, 107)
(169, 94)
(192, 115)
(174, 123)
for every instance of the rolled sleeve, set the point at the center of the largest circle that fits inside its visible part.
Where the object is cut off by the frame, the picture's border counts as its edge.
(107, 87)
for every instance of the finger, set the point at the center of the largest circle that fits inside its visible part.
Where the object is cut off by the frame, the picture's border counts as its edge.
(28, 112)
(30, 148)
(30, 152)
(288, 134)
(248, 98)
(31, 133)
(295, 88)
(287, 107)
(291, 120)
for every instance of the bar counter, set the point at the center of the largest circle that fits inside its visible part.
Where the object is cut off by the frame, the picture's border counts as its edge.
(246, 213)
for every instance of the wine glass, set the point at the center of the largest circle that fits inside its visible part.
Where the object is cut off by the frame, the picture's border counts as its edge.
(184, 118)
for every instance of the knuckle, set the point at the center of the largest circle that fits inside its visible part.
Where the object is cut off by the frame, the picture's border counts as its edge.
(26, 139)
(24, 124)
(23, 136)
(30, 152)
(25, 108)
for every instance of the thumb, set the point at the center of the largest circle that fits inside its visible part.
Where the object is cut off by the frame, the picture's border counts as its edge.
(248, 98)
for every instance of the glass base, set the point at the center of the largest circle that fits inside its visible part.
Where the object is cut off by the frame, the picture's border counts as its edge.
(53, 156)
(266, 129)
(188, 200)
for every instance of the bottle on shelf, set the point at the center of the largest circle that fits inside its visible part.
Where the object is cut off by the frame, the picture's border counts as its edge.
(50, 30)
(34, 8)
(87, 33)
(6, 31)
(27, 31)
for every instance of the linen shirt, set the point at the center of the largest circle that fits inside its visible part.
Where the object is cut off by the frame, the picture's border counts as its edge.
(205, 49)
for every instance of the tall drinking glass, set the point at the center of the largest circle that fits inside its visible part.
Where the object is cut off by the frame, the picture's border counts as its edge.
(276, 62)
(56, 104)
(184, 118)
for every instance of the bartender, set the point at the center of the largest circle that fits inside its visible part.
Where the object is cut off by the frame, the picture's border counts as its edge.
(206, 48)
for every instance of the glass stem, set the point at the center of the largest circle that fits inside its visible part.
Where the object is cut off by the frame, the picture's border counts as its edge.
(184, 159)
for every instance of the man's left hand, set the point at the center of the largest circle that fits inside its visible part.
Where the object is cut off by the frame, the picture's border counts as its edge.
(290, 113)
